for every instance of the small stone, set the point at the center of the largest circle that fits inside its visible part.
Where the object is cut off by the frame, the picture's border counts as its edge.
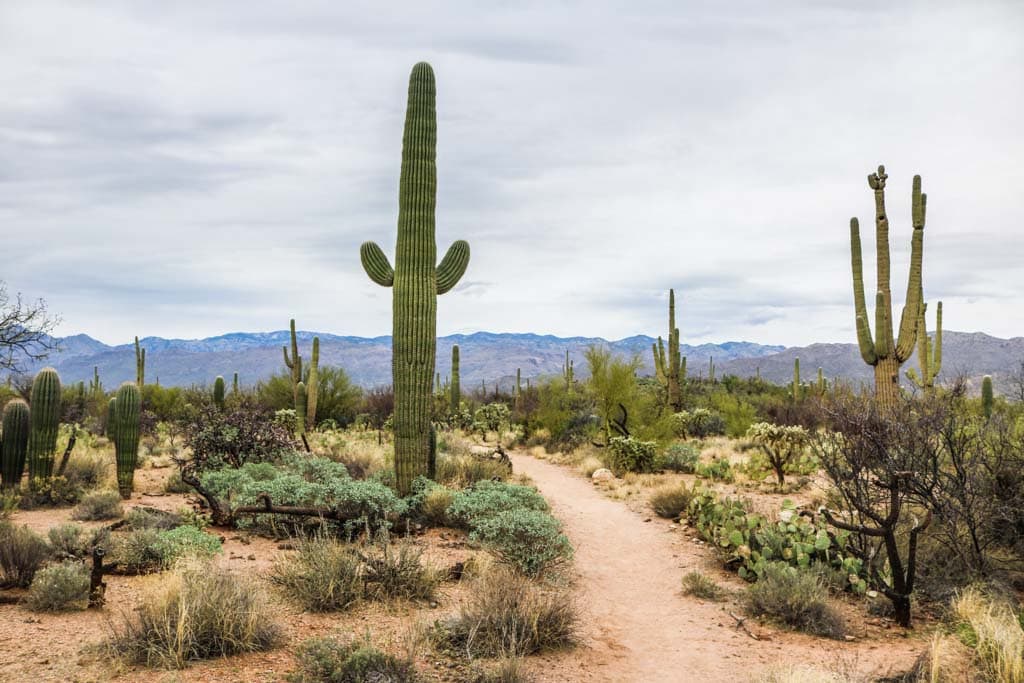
(252, 557)
(603, 474)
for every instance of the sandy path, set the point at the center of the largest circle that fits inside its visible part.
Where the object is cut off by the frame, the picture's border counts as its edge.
(637, 624)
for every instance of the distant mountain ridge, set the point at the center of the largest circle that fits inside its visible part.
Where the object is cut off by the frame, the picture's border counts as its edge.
(494, 357)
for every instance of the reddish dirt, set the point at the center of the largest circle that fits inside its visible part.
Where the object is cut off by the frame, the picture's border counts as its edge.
(637, 626)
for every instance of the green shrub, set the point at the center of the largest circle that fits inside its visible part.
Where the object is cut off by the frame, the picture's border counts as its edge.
(174, 484)
(796, 598)
(87, 471)
(530, 541)
(202, 612)
(96, 505)
(506, 614)
(718, 469)
(434, 508)
(736, 414)
(670, 501)
(68, 542)
(487, 498)
(627, 454)
(325, 660)
(323, 575)
(60, 587)
(459, 471)
(698, 423)
(701, 586)
(680, 457)
(52, 492)
(151, 518)
(391, 573)
(22, 553)
(184, 541)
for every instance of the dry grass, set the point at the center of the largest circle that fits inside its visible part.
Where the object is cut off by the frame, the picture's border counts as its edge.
(801, 673)
(995, 633)
(946, 660)
(798, 599)
(60, 587)
(22, 553)
(589, 465)
(97, 505)
(700, 585)
(670, 501)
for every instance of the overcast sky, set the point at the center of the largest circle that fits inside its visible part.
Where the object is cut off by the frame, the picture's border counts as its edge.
(191, 169)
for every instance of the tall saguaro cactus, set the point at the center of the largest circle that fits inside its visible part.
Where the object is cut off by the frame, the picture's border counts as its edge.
(313, 383)
(797, 388)
(929, 353)
(140, 364)
(886, 352)
(15, 444)
(123, 427)
(456, 390)
(670, 370)
(294, 363)
(45, 414)
(416, 281)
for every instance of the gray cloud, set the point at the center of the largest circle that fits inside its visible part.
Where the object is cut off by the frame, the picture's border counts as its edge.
(190, 169)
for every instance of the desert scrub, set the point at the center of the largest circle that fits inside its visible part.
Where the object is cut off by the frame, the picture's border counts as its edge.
(699, 585)
(97, 505)
(59, 587)
(69, 541)
(87, 471)
(434, 507)
(199, 611)
(996, 634)
(680, 457)
(322, 575)
(506, 614)
(628, 454)
(795, 598)
(22, 553)
(488, 498)
(326, 660)
(507, 670)
(670, 501)
(718, 469)
(530, 541)
(397, 571)
(459, 471)
(148, 550)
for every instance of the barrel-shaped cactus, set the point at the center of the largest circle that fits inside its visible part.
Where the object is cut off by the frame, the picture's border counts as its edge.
(123, 428)
(416, 280)
(218, 392)
(45, 414)
(300, 409)
(15, 443)
(456, 390)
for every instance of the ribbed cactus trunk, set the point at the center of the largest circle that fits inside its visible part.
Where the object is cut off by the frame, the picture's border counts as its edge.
(300, 410)
(456, 395)
(234, 384)
(123, 426)
(886, 352)
(45, 421)
(218, 393)
(15, 444)
(313, 384)
(987, 396)
(294, 363)
(796, 380)
(140, 364)
(929, 355)
(416, 281)
(670, 369)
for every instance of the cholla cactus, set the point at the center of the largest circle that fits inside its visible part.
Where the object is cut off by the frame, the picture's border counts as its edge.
(782, 445)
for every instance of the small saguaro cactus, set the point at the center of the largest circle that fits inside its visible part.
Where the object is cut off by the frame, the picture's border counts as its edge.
(886, 352)
(313, 383)
(929, 354)
(45, 414)
(670, 370)
(796, 388)
(300, 410)
(416, 282)
(518, 390)
(123, 427)
(711, 369)
(140, 364)
(95, 385)
(16, 423)
(456, 391)
(822, 384)
(294, 363)
(568, 371)
(218, 392)
(234, 384)
(987, 396)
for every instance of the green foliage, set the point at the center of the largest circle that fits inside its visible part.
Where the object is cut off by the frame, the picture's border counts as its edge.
(184, 541)
(96, 505)
(59, 587)
(68, 541)
(491, 417)
(22, 553)
(44, 416)
(719, 469)
(325, 660)
(671, 501)
(783, 445)
(530, 541)
(13, 451)
(612, 383)
(680, 457)
(736, 414)
(565, 417)
(796, 598)
(338, 398)
(488, 498)
(702, 586)
(698, 423)
(628, 454)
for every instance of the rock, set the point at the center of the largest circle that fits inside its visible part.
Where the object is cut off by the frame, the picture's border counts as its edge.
(603, 474)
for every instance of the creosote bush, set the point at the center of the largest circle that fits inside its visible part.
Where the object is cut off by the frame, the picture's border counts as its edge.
(60, 587)
(796, 598)
(506, 614)
(199, 611)
(701, 586)
(97, 505)
(326, 660)
(22, 553)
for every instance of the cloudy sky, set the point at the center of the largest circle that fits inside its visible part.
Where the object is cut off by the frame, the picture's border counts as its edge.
(190, 169)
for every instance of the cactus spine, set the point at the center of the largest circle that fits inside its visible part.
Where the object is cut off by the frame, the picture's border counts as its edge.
(987, 396)
(456, 391)
(416, 281)
(15, 443)
(140, 364)
(313, 383)
(929, 356)
(885, 352)
(218, 392)
(300, 410)
(45, 414)
(670, 370)
(123, 425)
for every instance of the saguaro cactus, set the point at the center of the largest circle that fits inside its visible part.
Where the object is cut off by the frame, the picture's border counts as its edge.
(670, 370)
(416, 281)
(711, 369)
(294, 363)
(15, 444)
(300, 410)
(45, 414)
(123, 426)
(929, 354)
(313, 383)
(456, 390)
(987, 396)
(234, 384)
(885, 352)
(218, 392)
(140, 364)
(568, 371)
(797, 388)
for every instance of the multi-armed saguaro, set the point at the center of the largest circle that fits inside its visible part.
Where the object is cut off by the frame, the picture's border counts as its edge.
(929, 355)
(670, 371)
(416, 281)
(312, 383)
(886, 352)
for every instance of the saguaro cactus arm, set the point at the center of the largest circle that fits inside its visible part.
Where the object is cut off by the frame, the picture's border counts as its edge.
(452, 266)
(908, 319)
(376, 264)
(864, 339)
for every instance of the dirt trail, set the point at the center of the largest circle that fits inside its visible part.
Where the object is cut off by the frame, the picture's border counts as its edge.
(637, 624)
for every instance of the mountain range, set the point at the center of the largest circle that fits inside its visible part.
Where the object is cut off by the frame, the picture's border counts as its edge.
(492, 357)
